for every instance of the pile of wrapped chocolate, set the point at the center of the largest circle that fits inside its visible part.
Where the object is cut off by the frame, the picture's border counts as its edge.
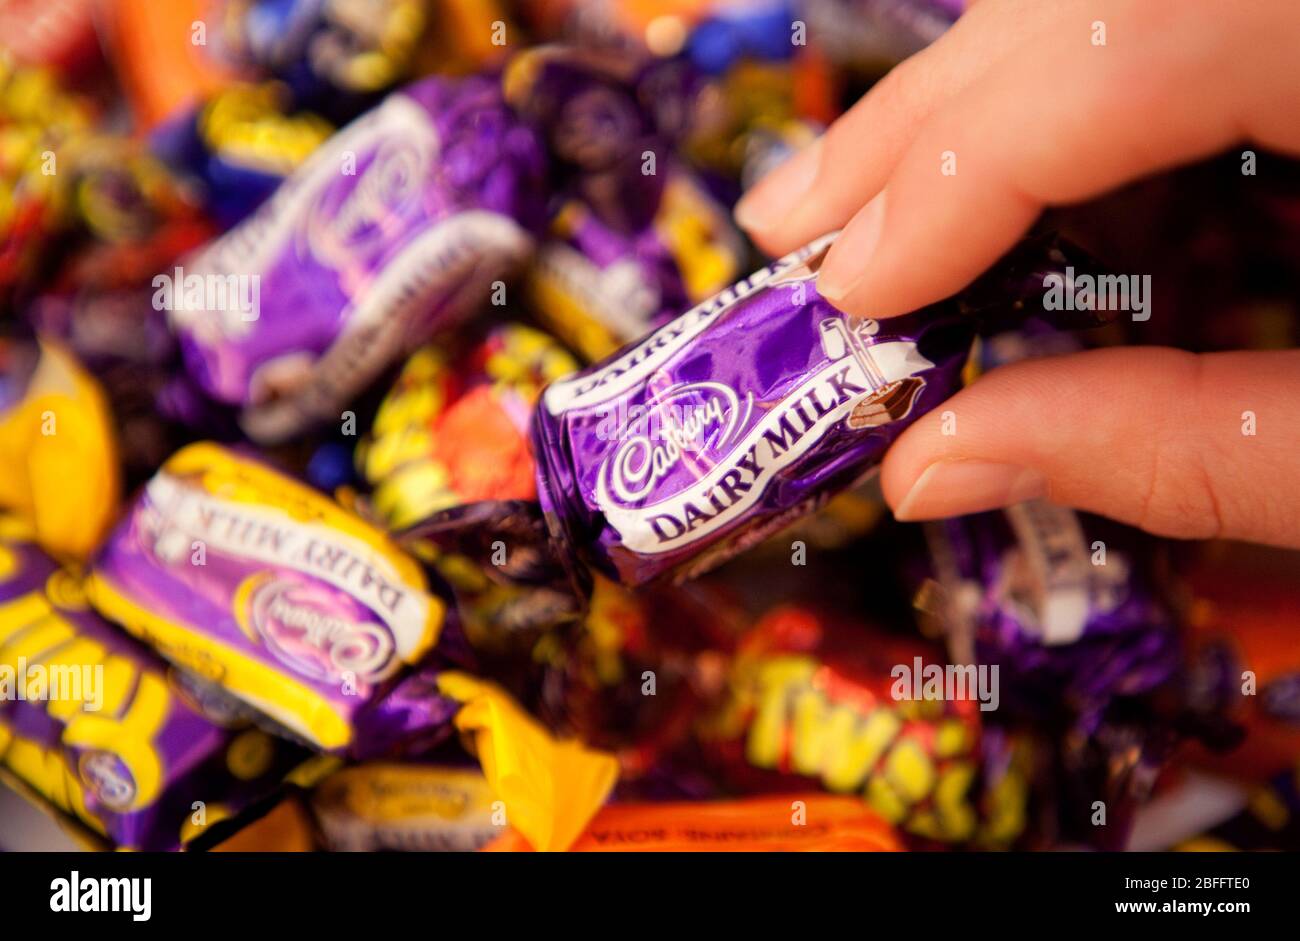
(401, 449)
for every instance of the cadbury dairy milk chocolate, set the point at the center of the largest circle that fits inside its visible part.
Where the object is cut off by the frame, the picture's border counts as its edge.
(397, 227)
(97, 725)
(1065, 602)
(271, 592)
(749, 411)
(1068, 608)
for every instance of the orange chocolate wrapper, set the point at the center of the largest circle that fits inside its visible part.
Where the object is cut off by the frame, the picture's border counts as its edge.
(487, 456)
(161, 66)
(815, 823)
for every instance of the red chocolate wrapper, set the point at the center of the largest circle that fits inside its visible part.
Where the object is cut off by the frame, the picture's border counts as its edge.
(863, 712)
(1244, 664)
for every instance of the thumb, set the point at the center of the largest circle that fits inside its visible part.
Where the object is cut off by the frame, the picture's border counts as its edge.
(1175, 443)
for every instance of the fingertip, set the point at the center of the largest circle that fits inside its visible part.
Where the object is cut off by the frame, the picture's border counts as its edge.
(896, 478)
(748, 214)
(958, 488)
(849, 262)
(858, 299)
(771, 241)
(917, 448)
(771, 244)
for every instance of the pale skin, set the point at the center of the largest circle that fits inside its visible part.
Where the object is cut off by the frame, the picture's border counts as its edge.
(1038, 116)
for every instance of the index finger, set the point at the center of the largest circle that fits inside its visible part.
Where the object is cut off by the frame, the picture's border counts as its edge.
(821, 187)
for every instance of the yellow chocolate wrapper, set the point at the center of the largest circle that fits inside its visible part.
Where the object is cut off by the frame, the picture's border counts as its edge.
(272, 592)
(550, 788)
(58, 457)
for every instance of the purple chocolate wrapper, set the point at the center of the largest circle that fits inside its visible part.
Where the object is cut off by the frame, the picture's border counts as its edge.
(749, 411)
(627, 283)
(1067, 608)
(599, 287)
(602, 114)
(117, 742)
(1065, 603)
(395, 228)
(272, 593)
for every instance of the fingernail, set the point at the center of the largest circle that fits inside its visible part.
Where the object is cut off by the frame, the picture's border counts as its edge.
(954, 488)
(771, 200)
(847, 262)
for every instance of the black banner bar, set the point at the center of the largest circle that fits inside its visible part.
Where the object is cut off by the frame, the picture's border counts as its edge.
(328, 891)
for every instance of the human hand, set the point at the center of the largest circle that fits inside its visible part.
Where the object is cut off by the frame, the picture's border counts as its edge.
(1027, 111)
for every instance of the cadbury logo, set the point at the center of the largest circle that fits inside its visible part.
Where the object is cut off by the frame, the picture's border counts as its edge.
(108, 779)
(316, 642)
(364, 219)
(678, 425)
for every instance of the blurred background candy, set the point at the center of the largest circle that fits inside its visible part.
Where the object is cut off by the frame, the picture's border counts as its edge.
(283, 285)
